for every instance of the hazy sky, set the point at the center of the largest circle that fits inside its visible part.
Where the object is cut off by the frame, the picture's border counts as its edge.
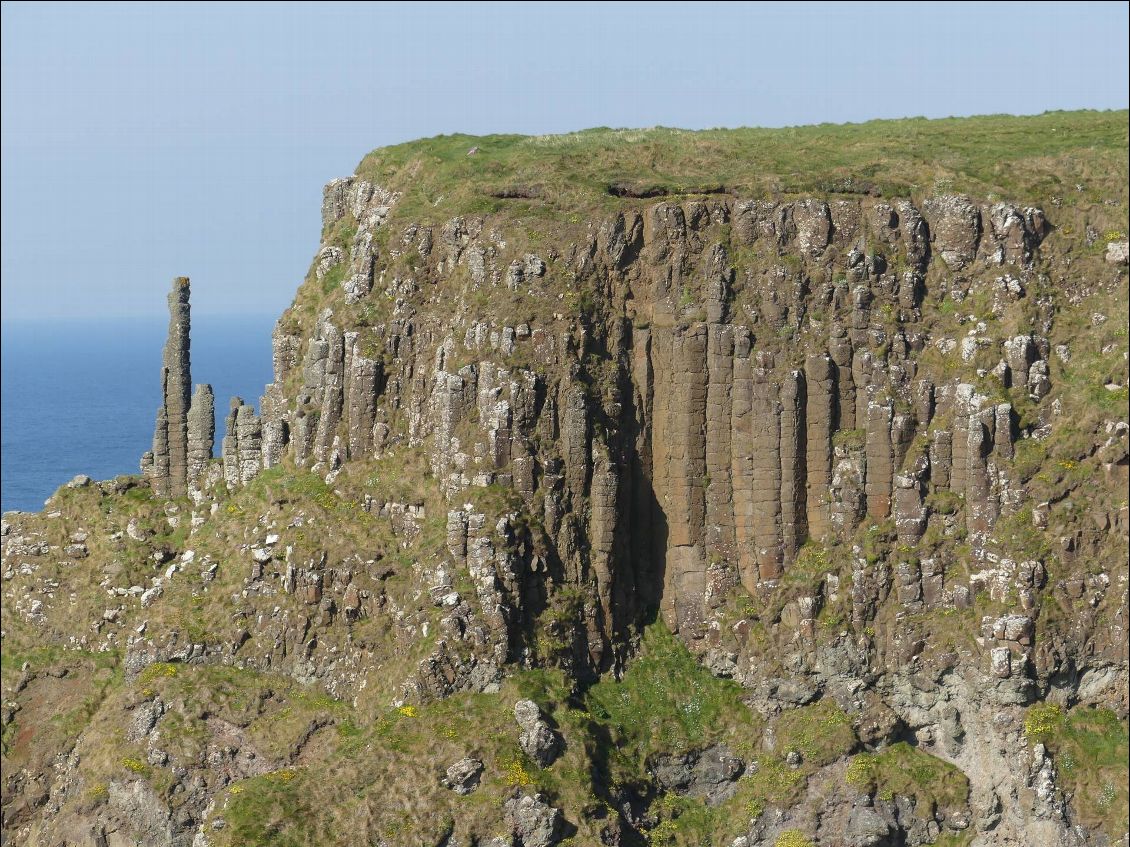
(145, 141)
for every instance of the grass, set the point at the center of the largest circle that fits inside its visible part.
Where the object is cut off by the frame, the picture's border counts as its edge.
(821, 733)
(792, 838)
(850, 439)
(906, 771)
(1090, 748)
(668, 702)
(1026, 158)
(55, 716)
(273, 809)
(386, 774)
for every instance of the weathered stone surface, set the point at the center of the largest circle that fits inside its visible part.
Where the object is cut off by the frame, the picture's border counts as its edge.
(463, 776)
(275, 421)
(820, 408)
(813, 223)
(1013, 234)
(533, 821)
(362, 388)
(915, 233)
(866, 828)
(334, 201)
(1117, 252)
(710, 774)
(794, 474)
(242, 444)
(741, 462)
(201, 430)
(880, 459)
(719, 515)
(766, 421)
(324, 372)
(537, 740)
(955, 228)
(911, 514)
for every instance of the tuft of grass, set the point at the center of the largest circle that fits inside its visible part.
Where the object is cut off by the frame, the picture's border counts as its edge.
(135, 765)
(901, 769)
(154, 672)
(792, 838)
(1041, 721)
(668, 702)
(821, 732)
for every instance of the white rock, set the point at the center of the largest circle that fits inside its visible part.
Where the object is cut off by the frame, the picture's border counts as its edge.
(1001, 662)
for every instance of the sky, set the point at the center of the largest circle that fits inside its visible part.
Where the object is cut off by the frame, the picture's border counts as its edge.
(146, 141)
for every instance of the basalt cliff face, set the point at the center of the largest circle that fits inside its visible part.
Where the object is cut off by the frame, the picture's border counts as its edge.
(684, 517)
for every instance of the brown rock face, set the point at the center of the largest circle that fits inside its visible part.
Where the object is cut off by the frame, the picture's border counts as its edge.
(746, 379)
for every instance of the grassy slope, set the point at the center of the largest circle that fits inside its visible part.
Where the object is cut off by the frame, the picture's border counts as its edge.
(1027, 159)
(1090, 748)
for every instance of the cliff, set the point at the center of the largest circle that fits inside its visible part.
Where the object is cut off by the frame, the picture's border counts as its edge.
(738, 488)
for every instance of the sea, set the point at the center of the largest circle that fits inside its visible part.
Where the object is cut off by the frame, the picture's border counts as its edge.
(81, 396)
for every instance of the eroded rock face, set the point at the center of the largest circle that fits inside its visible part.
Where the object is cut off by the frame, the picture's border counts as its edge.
(736, 428)
(463, 776)
(535, 823)
(1117, 252)
(710, 774)
(201, 431)
(866, 828)
(242, 445)
(955, 229)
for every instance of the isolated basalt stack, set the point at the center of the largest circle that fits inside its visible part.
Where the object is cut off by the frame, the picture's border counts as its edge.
(184, 437)
(185, 429)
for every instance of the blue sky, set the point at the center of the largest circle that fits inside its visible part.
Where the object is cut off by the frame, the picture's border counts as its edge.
(146, 141)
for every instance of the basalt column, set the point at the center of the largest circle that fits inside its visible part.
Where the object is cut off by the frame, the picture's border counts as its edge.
(820, 422)
(168, 464)
(242, 447)
(201, 431)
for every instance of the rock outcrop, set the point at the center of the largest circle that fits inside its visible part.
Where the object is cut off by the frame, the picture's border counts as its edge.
(184, 437)
(813, 504)
(167, 465)
(706, 432)
(538, 740)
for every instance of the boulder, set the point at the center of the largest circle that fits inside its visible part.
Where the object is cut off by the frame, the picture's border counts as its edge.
(533, 821)
(710, 774)
(463, 776)
(538, 740)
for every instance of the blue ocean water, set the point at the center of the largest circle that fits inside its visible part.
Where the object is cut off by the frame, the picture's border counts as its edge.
(81, 396)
